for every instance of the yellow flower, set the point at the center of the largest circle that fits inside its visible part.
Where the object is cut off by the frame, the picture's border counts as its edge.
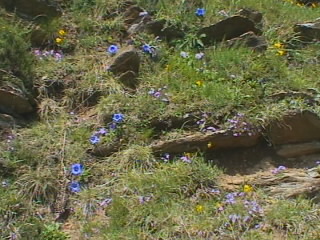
(278, 45)
(299, 4)
(59, 40)
(281, 53)
(168, 68)
(199, 83)
(210, 145)
(314, 5)
(247, 188)
(62, 32)
(189, 155)
(199, 208)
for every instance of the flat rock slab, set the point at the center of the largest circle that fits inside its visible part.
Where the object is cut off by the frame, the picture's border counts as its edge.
(308, 31)
(13, 102)
(227, 29)
(296, 150)
(32, 8)
(295, 128)
(199, 141)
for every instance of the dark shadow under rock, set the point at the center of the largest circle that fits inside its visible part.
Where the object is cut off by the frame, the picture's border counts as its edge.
(250, 40)
(227, 29)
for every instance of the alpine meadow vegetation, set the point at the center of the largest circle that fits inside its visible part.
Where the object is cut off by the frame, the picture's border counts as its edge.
(160, 120)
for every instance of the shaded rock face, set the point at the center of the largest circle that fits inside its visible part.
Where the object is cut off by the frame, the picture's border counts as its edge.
(14, 102)
(308, 31)
(250, 40)
(132, 14)
(295, 128)
(253, 15)
(6, 121)
(30, 9)
(126, 66)
(163, 29)
(227, 29)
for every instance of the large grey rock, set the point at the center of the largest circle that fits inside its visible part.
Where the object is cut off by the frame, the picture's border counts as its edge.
(295, 128)
(6, 121)
(308, 31)
(32, 9)
(164, 29)
(125, 65)
(253, 15)
(15, 102)
(227, 29)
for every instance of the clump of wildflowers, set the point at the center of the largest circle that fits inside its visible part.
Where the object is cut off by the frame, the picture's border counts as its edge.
(57, 55)
(240, 127)
(203, 126)
(117, 118)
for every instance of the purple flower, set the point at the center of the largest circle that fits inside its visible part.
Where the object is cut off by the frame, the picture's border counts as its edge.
(215, 191)
(106, 202)
(118, 117)
(102, 131)
(113, 49)
(234, 218)
(278, 169)
(144, 199)
(166, 157)
(94, 139)
(318, 162)
(112, 126)
(157, 94)
(185, 159)
(200, 12)
(77, 169)
(142, 14)
(74, 186)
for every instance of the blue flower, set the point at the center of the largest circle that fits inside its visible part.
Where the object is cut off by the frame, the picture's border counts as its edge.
(147, 48)
(200, 12)
(77, 169)
(94, 139)
(118, 117)
(113, 49)
(74, 187)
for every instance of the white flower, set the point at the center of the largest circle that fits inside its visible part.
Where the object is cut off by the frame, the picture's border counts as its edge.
(184, 54)
(199, 56)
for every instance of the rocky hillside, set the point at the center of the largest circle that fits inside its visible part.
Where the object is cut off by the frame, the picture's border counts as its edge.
(159, 119)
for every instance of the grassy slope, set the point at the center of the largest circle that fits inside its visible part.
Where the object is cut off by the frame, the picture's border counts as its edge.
(181, 204)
